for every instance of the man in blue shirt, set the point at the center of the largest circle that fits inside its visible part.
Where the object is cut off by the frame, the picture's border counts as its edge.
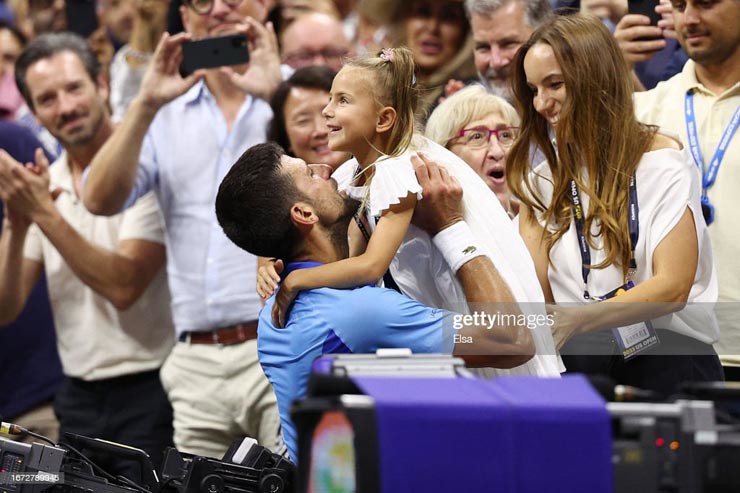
(178, 138)
(275, 206)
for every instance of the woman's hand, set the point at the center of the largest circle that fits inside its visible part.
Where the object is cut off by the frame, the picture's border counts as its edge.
(268, 277)
(283, 300)
(565, 324)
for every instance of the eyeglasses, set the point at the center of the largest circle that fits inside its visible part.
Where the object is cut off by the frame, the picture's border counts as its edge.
(204, 7)
(304, 58)
(479, 137)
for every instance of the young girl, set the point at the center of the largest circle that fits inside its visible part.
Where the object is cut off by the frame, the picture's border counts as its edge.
(371, 115)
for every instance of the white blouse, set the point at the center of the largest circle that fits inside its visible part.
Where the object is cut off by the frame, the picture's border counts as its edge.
(667, 183)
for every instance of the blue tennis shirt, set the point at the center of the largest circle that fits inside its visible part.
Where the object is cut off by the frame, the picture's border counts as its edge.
(325, 321)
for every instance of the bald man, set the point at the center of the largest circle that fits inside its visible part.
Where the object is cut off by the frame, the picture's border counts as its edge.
(314, 39)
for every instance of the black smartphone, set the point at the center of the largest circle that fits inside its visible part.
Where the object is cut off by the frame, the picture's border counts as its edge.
(646, 8)
(214, 52)
(82, 18)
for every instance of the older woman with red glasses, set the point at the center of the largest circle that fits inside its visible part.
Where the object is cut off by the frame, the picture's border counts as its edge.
(480, 128)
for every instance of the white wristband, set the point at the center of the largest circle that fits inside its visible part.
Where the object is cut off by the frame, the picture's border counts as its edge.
(457, 245)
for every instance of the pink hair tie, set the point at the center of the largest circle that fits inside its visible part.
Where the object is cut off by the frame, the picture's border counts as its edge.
(387, 54)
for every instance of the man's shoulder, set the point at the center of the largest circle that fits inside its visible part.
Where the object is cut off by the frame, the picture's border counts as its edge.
(667, 88)
(662, 104)
(368, 306)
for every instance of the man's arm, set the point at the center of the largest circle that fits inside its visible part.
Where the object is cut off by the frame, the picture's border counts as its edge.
(119, 276)
(17, 274)
(113, 171)
(504, 346)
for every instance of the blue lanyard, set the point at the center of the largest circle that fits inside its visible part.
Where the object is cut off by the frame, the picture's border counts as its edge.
(709, 175)
(578, 218)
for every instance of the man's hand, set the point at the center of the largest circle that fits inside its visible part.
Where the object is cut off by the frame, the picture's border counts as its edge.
(263, 72)
(630, 29)
(605, 9)
(16, 220)
(162, 81)
(25, 189)
(441, 205)
(665, 9)
(152, 12)
(150, 22)
(101, 46)
(452, 86)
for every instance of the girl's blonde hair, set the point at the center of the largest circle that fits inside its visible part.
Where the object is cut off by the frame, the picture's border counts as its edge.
(466, 105)
(394, 85)
(597, 133)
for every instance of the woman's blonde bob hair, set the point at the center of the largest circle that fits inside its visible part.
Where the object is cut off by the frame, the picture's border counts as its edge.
(467, 105)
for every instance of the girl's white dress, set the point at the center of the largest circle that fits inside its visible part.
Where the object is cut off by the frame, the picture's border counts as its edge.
(419, 268)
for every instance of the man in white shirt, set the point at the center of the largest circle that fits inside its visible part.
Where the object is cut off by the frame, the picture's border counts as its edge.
(702, 105)
(106, 282)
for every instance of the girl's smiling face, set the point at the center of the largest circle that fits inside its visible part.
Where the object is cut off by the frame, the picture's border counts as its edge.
(352, 112)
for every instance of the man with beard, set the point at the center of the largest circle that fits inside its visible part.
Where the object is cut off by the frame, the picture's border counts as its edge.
(105, 275)
(179, 137)
(273, 205)
(499, 28)
(702, 105)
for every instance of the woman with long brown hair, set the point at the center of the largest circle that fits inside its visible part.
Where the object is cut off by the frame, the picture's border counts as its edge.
(612, 218)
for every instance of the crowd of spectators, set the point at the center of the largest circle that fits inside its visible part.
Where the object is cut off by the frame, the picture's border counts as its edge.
(574, 114)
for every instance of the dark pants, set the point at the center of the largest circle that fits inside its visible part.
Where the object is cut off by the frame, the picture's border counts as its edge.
(732, 373)
(131, 410)
(677, 359)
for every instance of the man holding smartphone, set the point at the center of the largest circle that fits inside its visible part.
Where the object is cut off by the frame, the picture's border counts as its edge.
(179, 137)
(702, 105)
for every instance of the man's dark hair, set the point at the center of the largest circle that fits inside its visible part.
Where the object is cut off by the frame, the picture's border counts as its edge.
(46, 46)
(313, 77)
(253, 203)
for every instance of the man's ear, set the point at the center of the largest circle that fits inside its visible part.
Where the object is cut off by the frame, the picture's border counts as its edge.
(386, 119)
(303, 214)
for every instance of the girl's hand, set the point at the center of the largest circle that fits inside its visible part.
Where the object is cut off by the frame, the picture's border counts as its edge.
(268, 277)
(283, 300)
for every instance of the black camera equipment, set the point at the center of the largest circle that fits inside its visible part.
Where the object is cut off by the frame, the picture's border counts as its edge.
(246, 468)
(67, 468)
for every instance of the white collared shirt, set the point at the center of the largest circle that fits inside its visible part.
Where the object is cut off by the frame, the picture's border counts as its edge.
(664, 106)
(94, 339)
(185, 155)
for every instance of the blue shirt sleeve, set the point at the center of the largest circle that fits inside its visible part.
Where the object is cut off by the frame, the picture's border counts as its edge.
(147, 173)
(373, 318)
